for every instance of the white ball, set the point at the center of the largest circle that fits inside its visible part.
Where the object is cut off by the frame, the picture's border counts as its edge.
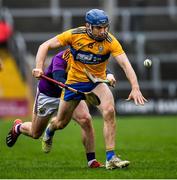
(147, 63)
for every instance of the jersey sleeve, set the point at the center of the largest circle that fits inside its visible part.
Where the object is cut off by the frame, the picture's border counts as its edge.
(59, 64)
(116, 48)
(65, 38)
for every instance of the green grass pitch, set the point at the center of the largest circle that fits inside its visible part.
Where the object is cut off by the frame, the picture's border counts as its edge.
(149, 142)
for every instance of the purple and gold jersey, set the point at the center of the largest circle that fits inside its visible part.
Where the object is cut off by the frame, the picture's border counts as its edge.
(59, 62)
(88, 53)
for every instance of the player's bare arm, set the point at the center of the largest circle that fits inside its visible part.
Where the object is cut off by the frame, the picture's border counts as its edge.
(135, 93)
(42, 54)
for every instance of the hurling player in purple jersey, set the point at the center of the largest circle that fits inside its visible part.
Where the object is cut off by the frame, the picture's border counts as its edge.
(46, 106)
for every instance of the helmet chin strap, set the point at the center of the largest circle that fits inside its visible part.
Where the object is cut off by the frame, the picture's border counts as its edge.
(90, 33)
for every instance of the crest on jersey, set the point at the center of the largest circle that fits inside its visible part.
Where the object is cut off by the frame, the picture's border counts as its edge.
(100, 49)
(42, 110)
(79, 44)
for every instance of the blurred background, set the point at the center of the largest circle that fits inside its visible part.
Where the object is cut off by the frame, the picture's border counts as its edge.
(146, 29)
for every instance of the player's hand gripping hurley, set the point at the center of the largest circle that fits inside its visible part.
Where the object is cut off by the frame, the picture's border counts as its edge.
(90, 97)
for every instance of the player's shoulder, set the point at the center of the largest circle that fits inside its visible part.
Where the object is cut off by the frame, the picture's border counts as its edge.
(79, 30)
(110, 38)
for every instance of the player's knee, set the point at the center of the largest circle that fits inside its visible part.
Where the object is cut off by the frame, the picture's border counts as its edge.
(85, 121)
(36, 135)
(109, 112)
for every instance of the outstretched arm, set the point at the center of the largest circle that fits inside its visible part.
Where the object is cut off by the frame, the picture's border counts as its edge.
(135, 93)
(42, 54)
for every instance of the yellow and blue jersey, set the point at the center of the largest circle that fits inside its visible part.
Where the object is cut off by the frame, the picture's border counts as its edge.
(88, 53)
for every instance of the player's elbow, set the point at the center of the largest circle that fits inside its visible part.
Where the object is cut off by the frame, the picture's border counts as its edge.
(43, 46)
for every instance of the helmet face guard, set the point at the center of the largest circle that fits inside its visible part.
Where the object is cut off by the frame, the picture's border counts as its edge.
(96, 37)
(97, 18)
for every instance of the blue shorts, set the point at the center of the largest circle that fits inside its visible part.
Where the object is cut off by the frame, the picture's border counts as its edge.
(82, 86)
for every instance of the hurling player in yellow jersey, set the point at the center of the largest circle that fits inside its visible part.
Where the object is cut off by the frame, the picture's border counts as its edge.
(90, 48)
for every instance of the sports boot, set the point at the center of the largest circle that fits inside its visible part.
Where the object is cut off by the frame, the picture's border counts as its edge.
(12, 135)
(47, 143)
(96, 164)
(116, 162)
